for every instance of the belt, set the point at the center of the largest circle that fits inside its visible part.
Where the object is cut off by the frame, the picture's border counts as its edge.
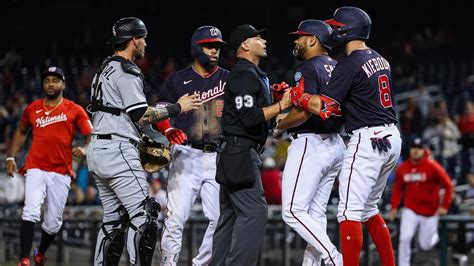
(205, 147)
(112, 136)
(247, 142)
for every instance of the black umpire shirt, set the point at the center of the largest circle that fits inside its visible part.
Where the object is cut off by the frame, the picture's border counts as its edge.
(247, 92)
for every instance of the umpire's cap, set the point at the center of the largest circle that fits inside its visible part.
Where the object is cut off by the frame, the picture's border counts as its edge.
(127, 28)
(242, 33)
(315, 27)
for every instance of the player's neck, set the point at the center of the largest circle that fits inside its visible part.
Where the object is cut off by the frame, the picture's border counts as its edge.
(355, 45)
(204, 70)
(53, 102)
(127, 54)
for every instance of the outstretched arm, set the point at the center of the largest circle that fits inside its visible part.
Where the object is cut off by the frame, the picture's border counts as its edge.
(18, 140)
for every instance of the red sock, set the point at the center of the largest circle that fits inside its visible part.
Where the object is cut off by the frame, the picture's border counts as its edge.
(351, 242)
(380, 234)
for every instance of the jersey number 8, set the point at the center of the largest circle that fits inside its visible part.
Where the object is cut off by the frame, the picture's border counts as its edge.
(384, 89)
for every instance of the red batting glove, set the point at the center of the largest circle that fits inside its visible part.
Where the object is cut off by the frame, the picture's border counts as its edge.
(295, 95)
(174, 135)
(278, 89)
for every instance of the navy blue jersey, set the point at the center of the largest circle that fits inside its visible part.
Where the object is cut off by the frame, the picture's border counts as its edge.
(361, 84)
(203, 125)
(316, 72)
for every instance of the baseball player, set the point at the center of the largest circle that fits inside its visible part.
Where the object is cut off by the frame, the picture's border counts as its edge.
(306, 186)
(360, 87)
(48, 165)
(120, 111)
(419, 180)
(193, 169)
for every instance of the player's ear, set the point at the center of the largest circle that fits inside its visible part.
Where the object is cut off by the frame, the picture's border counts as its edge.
(313, 40)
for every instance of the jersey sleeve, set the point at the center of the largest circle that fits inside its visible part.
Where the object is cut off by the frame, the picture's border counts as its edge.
(445, 181)
(25, 118)
(245, 90)
(166, 93)
(310, 80)
(340, 83)
(131, 89)
(397, 189)
(83, 122)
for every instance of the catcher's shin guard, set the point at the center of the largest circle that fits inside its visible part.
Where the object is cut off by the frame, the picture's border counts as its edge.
(146, 234)
(111, 246)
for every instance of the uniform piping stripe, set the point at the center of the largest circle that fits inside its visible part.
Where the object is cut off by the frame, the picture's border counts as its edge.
(293, 197)
(135, 106)
(131, 170)
(350, 175)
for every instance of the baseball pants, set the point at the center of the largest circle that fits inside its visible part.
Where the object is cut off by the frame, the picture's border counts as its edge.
(54, 188)
(313, 163)
(192, 173)
(365, 172)
(121, 181)
(427, 233)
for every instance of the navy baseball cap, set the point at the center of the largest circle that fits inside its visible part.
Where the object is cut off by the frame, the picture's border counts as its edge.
(206, 34)
(55, 71)
(242, 33)
(315, 27)
(418, 143)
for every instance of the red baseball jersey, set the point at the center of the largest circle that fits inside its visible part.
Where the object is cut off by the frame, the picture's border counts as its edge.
(53, 134)
(420, 183)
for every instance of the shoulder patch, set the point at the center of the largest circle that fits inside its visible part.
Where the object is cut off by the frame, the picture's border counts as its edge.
(298, 76)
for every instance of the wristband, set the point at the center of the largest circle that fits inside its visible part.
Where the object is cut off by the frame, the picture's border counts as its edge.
(10, 159)
(173, 109)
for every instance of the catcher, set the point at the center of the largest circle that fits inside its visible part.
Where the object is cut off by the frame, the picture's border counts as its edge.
(120, 111)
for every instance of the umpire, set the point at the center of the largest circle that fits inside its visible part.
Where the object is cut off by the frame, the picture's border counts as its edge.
(247, 110)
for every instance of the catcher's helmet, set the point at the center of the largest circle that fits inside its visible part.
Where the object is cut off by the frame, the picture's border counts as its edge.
(127, 28)
(317, 28)
(351, 23)
(204, 34)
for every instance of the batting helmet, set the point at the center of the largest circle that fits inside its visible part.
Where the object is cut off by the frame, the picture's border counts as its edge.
(204, 34)
(351, 23)
(127, 28)
(317, 28)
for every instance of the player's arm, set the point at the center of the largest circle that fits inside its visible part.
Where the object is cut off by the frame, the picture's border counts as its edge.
(445, 181)
(295, 117)
(85, 127)
(273, 110)
(19, 138)
(185, 104)
(397, 192)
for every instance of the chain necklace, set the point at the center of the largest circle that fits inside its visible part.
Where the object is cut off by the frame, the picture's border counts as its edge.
(46, 111)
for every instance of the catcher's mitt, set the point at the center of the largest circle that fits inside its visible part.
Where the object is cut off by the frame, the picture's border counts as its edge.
(153, 155)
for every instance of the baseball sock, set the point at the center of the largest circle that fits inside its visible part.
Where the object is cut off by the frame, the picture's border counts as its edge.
(351, 242)
(27, 233)
(46, 240)
(380, 234)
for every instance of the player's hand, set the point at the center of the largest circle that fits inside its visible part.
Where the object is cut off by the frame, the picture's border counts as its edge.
(10, 167)
(392, 214)
(175, 136)
(285, 102)
(79, 152)
(441, 211)
(297, 92)
(278, 89)
(189, 102)
(381, 144)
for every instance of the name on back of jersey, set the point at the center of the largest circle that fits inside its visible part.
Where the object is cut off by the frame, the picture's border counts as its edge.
(375, 64)
(211, 93)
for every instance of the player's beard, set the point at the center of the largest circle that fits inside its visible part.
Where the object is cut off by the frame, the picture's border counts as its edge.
(53, 96)
(139, 54)
(299, 52)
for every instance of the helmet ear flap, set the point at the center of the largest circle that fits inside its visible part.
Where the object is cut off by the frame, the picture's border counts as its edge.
(198, 53)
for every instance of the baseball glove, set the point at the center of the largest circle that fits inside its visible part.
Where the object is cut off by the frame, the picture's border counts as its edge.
(153, 155)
